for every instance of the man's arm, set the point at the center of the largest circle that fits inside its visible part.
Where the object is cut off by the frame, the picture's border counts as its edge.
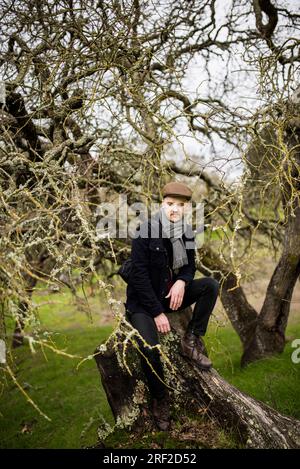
(140, 277)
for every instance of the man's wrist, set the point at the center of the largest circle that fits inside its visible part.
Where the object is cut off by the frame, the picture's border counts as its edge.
(158, 314)
(181, 280)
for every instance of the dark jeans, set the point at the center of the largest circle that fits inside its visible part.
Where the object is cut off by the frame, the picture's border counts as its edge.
(204, 293)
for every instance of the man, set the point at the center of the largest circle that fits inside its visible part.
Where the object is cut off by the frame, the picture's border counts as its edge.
(162, 281)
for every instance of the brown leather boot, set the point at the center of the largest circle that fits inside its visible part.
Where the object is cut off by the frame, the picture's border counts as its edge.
(194, 348)
(201, 346)
(161, 412)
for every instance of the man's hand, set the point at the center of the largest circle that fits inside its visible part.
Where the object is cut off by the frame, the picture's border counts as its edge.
(176, 292)
(162, 323)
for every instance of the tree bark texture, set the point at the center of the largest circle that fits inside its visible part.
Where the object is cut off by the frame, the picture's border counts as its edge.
(255, 424)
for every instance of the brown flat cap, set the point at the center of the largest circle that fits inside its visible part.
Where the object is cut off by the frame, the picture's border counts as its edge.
(177, 189)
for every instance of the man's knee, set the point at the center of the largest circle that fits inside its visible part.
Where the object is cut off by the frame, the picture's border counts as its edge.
(209, 284)
(146, 328)
(213, 285)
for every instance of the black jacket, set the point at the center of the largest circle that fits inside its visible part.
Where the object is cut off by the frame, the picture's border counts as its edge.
(152, 259)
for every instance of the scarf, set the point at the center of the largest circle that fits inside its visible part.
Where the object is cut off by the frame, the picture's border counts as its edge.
(174, 231)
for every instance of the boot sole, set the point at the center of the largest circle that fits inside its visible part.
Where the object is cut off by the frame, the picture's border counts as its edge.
(193, 362)
(202, 368)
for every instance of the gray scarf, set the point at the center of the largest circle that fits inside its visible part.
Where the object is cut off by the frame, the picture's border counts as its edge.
(174, 231)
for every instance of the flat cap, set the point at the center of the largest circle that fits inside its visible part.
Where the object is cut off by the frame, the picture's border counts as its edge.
(177, 189)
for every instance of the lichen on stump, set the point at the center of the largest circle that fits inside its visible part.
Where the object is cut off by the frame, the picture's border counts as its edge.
(255, 424)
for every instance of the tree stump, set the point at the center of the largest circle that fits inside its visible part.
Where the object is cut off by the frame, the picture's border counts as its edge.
(255, 424)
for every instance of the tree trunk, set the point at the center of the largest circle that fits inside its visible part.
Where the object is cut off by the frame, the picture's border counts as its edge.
(269, 335)
(254, 423)
(241, 314)
(262, 334)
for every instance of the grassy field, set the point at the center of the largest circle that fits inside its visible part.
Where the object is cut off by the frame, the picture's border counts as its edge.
(74, 399)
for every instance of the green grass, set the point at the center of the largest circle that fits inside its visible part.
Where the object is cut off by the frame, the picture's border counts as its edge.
(275, 380)
(72, 398)
(75, 400)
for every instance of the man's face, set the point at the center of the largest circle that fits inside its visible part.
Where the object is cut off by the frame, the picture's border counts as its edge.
(175, 207)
